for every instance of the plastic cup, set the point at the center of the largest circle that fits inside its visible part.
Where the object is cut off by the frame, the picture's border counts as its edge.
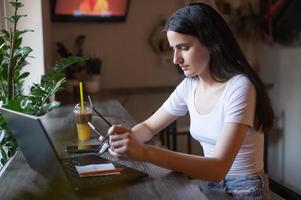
(82, 117)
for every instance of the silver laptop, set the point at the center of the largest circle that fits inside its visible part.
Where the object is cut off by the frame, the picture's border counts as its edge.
(42, 157)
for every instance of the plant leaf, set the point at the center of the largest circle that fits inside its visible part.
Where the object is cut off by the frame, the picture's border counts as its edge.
(23, 52)
(23, 75)
(4, 34)
(2, 121)
(4, 154)
(16, 4)
(19, 57)
(17, 34)
(3, 72)
(57, 86)
(63, 63)
(2, 134)
(17, 43)
(15, 18)
(9, 19)
(3, 47)
(51, 106)
(14, 105)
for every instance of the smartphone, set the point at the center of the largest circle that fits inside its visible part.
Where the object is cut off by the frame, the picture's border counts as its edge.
(83, 149)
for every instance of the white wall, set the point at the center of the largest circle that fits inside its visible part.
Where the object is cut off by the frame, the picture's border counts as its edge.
(281, 66)
(34, 40)
(128, 59)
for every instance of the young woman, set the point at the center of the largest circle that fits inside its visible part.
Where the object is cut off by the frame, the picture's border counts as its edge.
(228, 106)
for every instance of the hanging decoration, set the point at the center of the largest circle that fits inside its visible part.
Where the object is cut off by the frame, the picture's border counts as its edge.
(282, 21)
(159, 43)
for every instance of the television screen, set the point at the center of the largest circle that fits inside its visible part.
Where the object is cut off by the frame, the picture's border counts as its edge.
(89, 10)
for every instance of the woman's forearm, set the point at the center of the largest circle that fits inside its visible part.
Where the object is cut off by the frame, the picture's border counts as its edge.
(142, 132)
(198, 167)
(145, 131)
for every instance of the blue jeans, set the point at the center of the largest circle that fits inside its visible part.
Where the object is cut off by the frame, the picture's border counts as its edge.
(251, 187)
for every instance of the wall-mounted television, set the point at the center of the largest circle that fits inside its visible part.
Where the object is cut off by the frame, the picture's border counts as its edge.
(89, 10)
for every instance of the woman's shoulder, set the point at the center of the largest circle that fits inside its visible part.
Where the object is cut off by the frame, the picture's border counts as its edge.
(240, 80)
(188, 82)
(186, 87)
(240, 84)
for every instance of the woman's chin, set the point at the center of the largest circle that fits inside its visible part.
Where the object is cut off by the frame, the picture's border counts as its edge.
(189, 75)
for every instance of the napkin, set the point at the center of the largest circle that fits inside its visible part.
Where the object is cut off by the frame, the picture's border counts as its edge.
(97, 169)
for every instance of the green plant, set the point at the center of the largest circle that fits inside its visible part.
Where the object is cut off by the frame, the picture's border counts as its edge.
(84, 70)
(12, 61)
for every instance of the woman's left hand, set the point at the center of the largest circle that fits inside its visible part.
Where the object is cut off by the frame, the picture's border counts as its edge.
(123, 143)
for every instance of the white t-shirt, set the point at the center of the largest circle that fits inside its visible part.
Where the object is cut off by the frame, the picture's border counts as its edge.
(236, 104)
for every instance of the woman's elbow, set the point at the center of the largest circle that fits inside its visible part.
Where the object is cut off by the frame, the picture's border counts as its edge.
(218, 177)
(220, 174)
(215, 175)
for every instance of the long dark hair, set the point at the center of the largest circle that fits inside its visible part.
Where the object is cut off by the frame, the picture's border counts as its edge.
(226, 57)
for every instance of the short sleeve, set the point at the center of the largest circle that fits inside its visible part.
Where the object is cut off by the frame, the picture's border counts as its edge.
(240, 107)
(176, 104)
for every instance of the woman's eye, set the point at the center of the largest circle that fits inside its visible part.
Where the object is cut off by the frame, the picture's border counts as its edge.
(184, 48)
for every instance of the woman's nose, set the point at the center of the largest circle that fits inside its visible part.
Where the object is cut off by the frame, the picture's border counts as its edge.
(177, 58)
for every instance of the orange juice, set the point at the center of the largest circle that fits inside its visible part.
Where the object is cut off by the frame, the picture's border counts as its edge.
(82, 117)
(83, 131)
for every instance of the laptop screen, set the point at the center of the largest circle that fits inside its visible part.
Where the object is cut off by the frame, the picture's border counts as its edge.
(34, 143)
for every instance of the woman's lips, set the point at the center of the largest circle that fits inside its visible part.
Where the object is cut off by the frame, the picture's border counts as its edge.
(184, 68)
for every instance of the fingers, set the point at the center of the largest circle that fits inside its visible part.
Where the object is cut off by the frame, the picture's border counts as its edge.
(118, 133)
(113, 130)
(119, 137)
(119, 140)
(101, 138)
(120, 152)
(115, 154)
(118, 129)
(119, 144)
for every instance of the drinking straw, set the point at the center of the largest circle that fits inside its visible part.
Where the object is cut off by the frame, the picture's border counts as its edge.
(81, 96)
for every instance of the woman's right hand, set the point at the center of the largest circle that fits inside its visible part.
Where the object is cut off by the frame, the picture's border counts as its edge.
(112, 153)
(124, 144)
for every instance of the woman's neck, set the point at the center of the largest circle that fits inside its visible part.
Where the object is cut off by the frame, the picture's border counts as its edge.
(207, 82)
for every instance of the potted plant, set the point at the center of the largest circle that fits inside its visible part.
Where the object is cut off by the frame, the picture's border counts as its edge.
(12, 61)
(88, 71)
(93, 69)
